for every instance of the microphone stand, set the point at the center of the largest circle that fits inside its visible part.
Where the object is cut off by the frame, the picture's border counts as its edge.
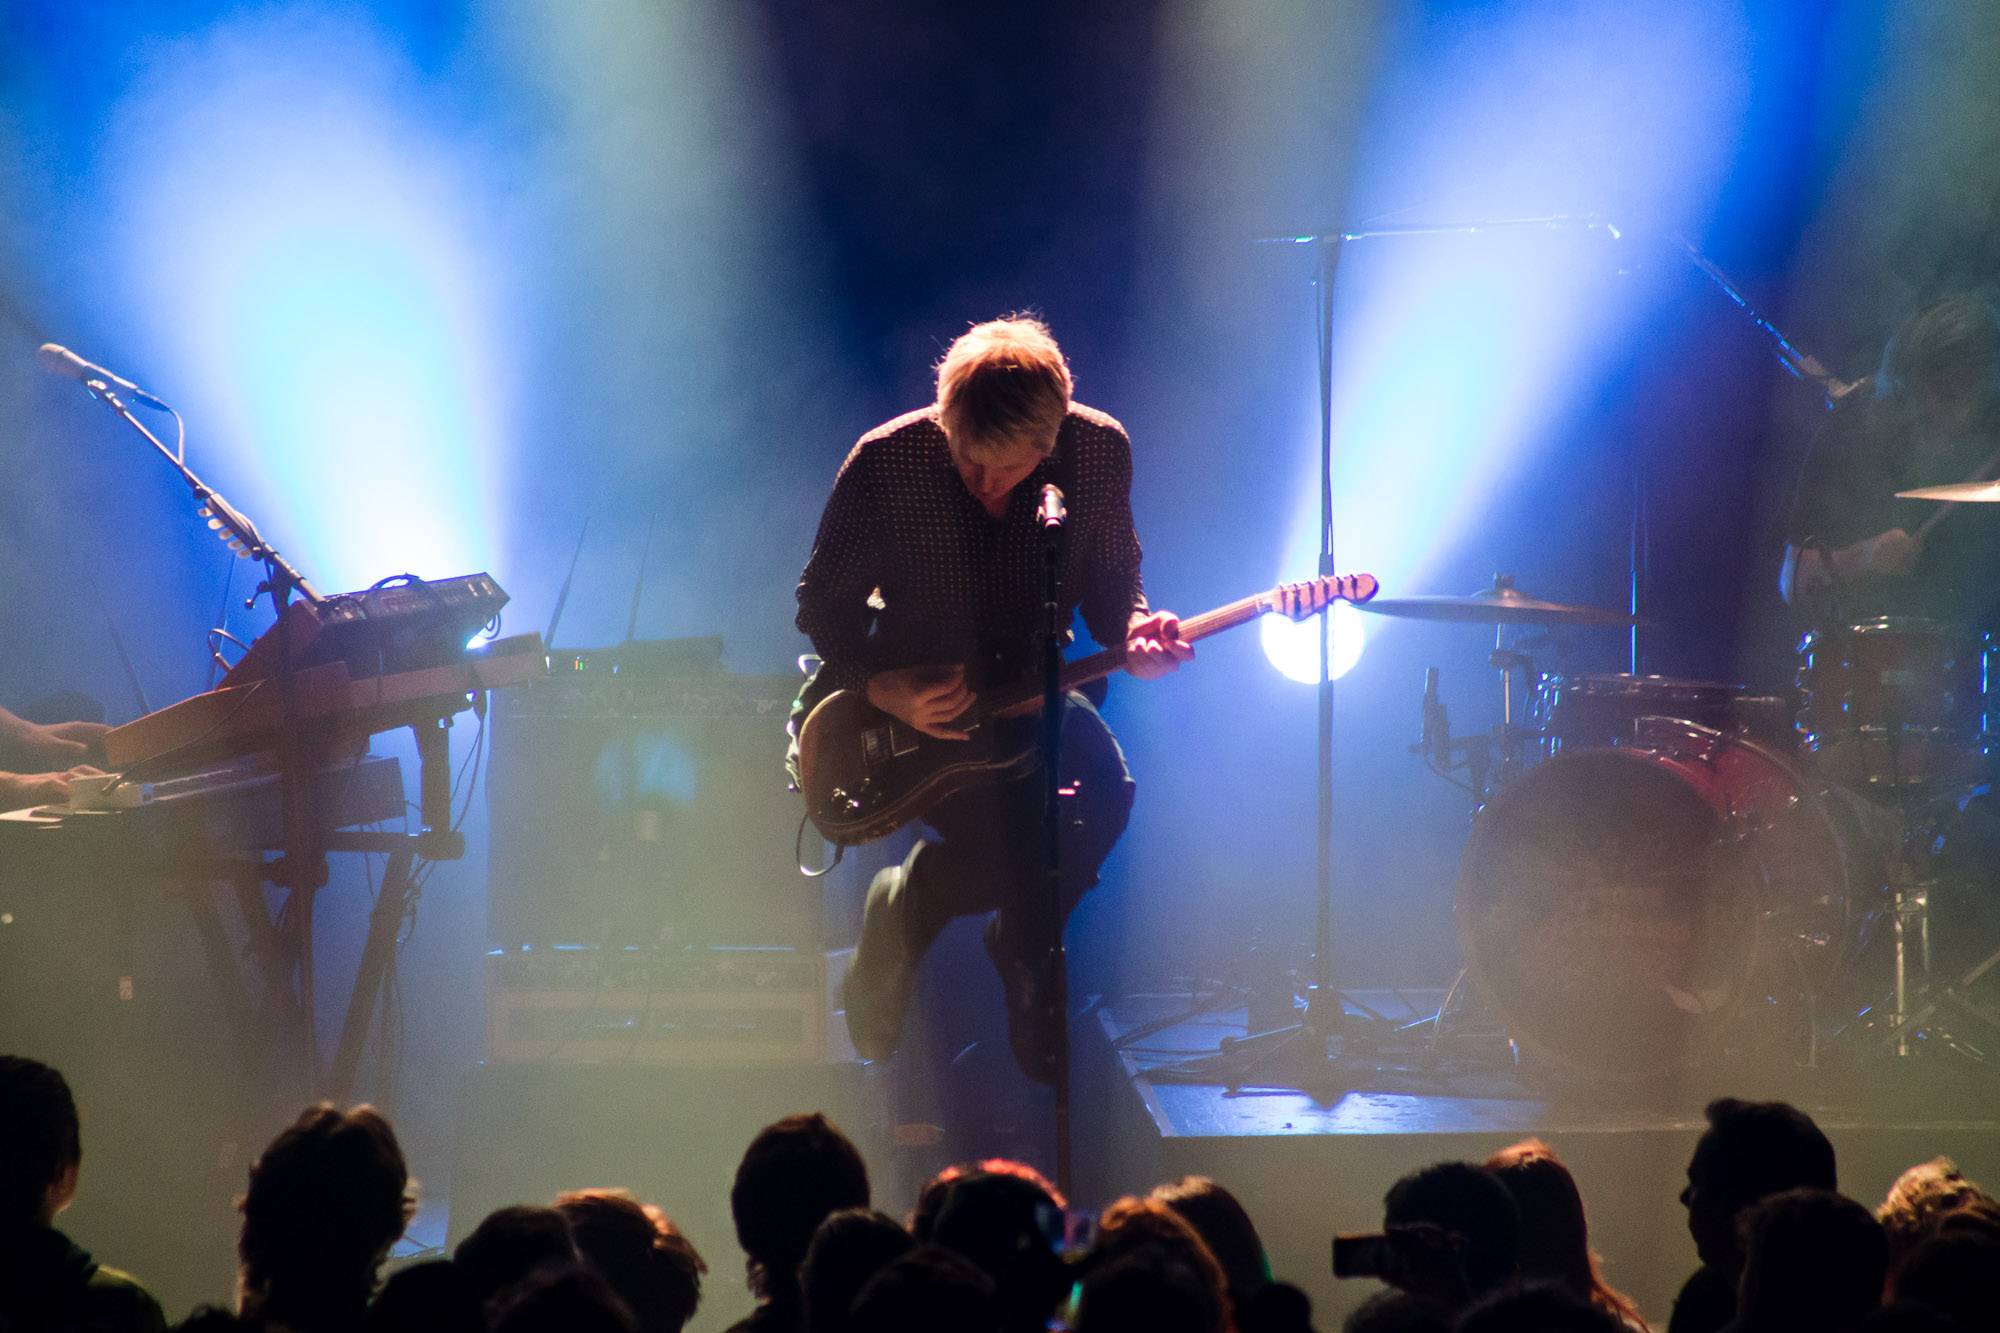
(1325, 1016)
(282, 580)
(1055, 963)
(301, 866)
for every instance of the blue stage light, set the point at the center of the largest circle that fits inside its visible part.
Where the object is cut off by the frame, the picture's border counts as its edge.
(305, 239)
(1457, 355)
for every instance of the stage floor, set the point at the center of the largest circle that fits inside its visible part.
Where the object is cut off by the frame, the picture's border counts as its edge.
(1312, 1145)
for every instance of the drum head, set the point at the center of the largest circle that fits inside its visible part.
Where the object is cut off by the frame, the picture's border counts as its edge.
(1606, 916)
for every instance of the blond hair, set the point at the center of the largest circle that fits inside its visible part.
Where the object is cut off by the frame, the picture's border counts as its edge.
(1003, 384)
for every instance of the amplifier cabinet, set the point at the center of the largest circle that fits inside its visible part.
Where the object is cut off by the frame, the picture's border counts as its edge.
(638, 1005)
(637, 809)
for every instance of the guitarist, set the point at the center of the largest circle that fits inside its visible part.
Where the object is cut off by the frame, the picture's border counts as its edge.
(924, 587)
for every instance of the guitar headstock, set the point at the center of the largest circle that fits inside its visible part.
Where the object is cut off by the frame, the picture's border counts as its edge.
(1299, 601)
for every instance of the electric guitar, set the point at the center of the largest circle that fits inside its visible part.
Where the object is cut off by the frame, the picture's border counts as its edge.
(865, 774)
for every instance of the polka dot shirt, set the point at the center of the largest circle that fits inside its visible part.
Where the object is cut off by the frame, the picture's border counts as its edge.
(909, 570)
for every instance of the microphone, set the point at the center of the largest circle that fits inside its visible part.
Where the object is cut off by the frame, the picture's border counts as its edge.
(1050, 514)
(58, 360)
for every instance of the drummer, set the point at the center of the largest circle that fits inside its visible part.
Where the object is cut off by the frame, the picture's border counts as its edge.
(1853, 550)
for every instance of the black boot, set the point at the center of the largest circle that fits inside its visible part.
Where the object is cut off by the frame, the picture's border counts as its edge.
(876, 990)
(1033, 1015)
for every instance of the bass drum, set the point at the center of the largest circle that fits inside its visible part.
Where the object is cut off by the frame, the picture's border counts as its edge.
(1623, 908)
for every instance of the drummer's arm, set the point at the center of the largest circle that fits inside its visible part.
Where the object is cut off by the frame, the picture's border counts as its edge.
(1809, 567)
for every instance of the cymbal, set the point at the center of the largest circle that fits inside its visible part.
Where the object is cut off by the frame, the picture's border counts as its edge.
(1964, 492)
(1501, 604)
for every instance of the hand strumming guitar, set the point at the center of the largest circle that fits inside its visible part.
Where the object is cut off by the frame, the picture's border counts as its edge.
(1153, 644)
(926, 697)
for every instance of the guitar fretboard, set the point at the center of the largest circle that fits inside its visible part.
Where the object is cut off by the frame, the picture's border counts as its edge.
(1026, 697)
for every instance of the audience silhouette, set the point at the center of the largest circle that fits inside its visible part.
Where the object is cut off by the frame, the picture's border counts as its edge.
(634, 1246)
(1750, 1151)
(795, 1174)
(46, 1280)
(1555, 1234)
(1498, 1247)
(849, 1249)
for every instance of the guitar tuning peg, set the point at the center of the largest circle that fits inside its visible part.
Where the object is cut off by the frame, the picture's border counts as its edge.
(204, 512)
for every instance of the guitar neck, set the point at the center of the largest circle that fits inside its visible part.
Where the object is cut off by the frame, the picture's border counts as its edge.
(1026, 697)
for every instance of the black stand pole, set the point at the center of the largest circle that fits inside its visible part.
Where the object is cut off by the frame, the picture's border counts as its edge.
(301, 866)
(1056, 961)
(228, 522)
(1326, 1008)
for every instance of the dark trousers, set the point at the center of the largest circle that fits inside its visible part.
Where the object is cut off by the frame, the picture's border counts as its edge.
(988, 852)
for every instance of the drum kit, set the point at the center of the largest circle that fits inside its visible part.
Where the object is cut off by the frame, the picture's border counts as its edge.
(1666, 875)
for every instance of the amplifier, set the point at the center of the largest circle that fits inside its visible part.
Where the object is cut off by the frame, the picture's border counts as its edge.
(628, 807)
(643, 1005)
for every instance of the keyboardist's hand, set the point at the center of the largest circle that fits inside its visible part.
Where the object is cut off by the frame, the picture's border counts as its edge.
(26, 745)
(18, 791)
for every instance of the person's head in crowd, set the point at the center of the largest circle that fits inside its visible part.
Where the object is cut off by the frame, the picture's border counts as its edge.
(1150, 1288)
(1133, 1224)
(1010, 1227)
(635, 1247)
(1472, 1210)
(1750, 1151)
(46, 1279)
(1901, 1318)
(1555, 1235)
(849, 1249)
(43, 1148)
(1812, 1259)
(1539, 1307)
(431, 1297)
(794, 1174)
(931, 1197)
(327, 1198)
(928, 1290)
(1393, 1311)
(511, 1244)
(575, 1299)
(1275, 1307)
(1919, 1200)
(1955, 1274)
(1220, 1220)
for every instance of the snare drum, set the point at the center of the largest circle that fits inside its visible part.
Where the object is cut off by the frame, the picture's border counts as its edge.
(1897, 701)
(1585, 711)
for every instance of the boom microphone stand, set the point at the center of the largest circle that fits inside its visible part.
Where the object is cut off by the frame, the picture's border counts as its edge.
(1326, 1008)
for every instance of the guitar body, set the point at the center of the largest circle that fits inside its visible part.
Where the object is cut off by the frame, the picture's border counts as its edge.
(864, 775)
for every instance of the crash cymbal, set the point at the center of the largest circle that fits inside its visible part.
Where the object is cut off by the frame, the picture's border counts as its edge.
(1964, 492)
(1501, 604)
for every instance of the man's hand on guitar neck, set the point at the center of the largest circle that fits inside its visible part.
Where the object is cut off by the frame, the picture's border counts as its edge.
(927, 698)
(1153, 644)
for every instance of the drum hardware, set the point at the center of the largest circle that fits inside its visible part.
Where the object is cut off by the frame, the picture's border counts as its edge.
(1917, 996)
